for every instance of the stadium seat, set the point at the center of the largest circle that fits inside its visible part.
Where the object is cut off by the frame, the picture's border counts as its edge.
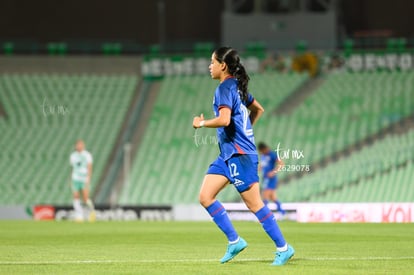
(57, 48)
(348, 47)
(8, 48)
(203, 49)
(360, 177)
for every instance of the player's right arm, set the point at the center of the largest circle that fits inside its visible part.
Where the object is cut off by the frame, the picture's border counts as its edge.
(222, 120)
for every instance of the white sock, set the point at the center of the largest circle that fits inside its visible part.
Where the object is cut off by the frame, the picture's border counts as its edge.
(236, 241)
(283, 248)
(77, 207)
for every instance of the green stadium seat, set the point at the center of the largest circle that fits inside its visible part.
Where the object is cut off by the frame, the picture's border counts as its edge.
(302, 46)
(203, 49)
(8, 48)
(111, 48)
(401, 45)
(392, 45)
(256, 48)
(360, 177)
(348, 47)
(57, 48)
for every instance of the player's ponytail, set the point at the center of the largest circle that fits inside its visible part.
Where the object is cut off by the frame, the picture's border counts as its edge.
(236, 69)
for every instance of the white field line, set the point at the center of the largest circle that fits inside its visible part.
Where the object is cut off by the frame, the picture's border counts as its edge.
(57, 262)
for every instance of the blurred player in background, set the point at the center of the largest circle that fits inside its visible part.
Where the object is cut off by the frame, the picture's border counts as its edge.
(270, 164)
(81, 162)
(235, 112)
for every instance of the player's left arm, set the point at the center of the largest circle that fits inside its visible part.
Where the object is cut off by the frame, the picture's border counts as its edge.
(256, 111)
(222, 120)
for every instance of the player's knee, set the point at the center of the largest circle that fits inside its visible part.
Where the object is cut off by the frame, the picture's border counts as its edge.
(205, 199)
(255, 206)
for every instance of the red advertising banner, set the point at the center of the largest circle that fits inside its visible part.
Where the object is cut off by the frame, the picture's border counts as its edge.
(44, 212)
(356, 212)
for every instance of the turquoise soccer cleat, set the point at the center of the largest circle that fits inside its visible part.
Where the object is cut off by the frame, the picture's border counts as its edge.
(282, 257)
(233, 250)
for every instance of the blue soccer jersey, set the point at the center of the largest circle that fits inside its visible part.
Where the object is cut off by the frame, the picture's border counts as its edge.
(267, 162)
(237, 137)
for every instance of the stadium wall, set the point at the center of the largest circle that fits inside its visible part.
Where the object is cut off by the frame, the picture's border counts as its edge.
(129, 65)
(356, 62)
(80, 21)
(300, 212)
(14, 212)
(281, 31)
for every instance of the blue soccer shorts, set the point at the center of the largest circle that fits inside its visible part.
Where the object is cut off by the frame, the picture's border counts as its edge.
(240, 170)
(270, 183)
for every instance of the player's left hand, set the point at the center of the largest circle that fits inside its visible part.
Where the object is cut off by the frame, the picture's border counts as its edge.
(197, 120)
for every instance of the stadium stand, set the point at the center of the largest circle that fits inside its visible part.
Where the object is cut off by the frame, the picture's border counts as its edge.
(379, 172)
(45, 114)
(347, 108)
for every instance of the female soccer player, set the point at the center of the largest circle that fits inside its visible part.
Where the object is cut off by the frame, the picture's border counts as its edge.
(238, 161)
(81, 162)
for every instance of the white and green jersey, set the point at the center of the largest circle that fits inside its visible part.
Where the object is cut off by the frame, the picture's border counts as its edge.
(79, 161)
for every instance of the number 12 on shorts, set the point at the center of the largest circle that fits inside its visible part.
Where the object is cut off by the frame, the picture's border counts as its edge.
(233, 170)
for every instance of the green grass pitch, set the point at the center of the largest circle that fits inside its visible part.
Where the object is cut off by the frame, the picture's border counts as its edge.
(28, 247)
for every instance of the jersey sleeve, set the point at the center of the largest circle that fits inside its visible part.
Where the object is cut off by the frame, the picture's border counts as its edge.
(249, 100)
(224, 98)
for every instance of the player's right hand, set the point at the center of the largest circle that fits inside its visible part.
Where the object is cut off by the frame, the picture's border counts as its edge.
(197, 120)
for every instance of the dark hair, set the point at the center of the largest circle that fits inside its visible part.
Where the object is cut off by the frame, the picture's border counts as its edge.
(231, 58)
(262, 146)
